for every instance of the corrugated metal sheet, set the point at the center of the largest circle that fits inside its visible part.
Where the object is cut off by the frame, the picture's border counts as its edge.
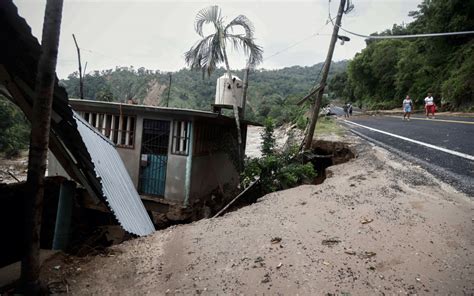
(87, 157)
(117, 187)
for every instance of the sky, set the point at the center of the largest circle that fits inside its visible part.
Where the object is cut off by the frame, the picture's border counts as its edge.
(155, 34)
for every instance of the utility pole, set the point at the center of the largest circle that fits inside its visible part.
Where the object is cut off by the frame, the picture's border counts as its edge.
(322, 84)
(246, 86)
(169, 90)
(81, 83)
(39, 141)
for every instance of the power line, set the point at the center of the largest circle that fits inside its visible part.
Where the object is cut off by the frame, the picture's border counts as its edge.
(397, 36)
(408, 36)
(299, 42)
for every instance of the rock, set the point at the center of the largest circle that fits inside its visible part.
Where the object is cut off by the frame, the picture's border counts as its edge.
(331, 241)
(276, 240)
(350, 252)
(266, 278)
(367, 254)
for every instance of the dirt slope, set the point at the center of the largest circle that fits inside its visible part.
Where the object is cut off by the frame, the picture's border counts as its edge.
(420, 241)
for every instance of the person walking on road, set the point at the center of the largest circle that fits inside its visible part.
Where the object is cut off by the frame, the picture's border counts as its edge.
(345, 107)
(349, 108)
(430, 106)
(407, 108)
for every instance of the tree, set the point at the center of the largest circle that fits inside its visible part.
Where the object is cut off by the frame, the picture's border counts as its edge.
(211, 50)
(39, 141)
(387, 70)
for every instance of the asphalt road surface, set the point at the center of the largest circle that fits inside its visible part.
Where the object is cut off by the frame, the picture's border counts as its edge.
(340, 112)
(444, 146)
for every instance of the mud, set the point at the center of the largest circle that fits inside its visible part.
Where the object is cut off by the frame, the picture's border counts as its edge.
(387, 234)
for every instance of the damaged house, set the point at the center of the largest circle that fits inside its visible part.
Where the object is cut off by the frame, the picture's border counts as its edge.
(182, 162)
(90, 160)
(123, 164)
(132, 164)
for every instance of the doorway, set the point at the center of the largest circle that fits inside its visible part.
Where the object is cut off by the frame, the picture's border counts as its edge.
(154, 157)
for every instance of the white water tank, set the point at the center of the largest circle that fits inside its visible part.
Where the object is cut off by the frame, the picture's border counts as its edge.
(224, 92)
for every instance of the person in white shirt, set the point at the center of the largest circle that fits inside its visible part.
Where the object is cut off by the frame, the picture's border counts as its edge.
(407, 107)
(430, 106)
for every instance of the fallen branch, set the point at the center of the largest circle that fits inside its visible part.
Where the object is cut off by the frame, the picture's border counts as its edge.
(235, 198)
(13, 176)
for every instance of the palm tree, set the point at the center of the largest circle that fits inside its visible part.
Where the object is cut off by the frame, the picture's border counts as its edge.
(211, 50)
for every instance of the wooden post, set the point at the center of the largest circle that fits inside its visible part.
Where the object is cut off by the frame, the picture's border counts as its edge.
(327, 65)
(81, 83)
(39, 142)
(169, 90)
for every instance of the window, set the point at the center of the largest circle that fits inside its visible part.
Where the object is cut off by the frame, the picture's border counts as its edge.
(207, 138)
(120, 129)
(181, 137)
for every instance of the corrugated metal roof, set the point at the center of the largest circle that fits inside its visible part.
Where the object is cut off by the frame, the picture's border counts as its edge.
(117, 187)
(87, 157)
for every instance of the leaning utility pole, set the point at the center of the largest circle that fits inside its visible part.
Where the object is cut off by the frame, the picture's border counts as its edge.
(322, 84)
(81, 82)
(39, 141)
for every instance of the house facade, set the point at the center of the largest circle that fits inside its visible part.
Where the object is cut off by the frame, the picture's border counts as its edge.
(175, 157)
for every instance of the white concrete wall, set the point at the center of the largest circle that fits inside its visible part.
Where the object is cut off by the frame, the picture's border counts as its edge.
(131, 157)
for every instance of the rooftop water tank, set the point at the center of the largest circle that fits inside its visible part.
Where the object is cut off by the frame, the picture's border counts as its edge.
(224, 92)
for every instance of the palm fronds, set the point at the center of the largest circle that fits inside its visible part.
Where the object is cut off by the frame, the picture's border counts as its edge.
(207, 53)
(208, 15)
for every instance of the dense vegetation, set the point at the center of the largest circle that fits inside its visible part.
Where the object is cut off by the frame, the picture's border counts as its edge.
(387, 70)
(276, 170)
(271, 93)
(14, 128)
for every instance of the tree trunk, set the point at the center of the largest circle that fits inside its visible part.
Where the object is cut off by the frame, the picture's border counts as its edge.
(39, 141)
(236, 110)
(322, 84)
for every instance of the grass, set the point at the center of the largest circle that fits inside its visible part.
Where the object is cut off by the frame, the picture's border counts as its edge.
(328, 125)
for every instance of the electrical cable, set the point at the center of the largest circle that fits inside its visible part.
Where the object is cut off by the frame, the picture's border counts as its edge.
(408, 36)
(395, 36)
(301, 41)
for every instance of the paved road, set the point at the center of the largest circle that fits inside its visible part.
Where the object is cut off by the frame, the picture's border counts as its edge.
(339, 111)
(444, 146)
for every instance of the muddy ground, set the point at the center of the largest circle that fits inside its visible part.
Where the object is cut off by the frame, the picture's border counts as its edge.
(14, 169)
(378, 225)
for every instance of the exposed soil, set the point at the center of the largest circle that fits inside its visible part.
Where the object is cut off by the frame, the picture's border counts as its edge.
(377, 225)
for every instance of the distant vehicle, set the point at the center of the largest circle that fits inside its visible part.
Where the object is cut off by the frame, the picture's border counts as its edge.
(327, 111)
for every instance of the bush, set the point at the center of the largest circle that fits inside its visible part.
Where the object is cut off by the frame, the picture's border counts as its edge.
(15, 129)
(276, 170)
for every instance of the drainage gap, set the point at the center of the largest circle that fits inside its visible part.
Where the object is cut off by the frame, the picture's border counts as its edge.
(325, 154)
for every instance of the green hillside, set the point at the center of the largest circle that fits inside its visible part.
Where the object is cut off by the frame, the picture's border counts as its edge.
(389, 69)
(271, 92)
